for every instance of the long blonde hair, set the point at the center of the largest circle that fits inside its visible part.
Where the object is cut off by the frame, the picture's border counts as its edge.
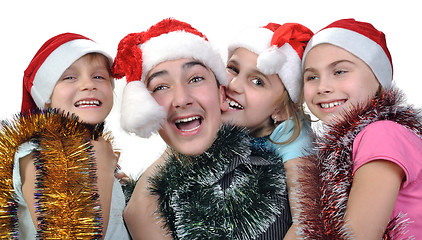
(292, 110)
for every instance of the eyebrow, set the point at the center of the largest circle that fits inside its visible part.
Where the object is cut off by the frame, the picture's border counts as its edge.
(186, 65)
(192, 64)
(233, 61)
(253, 71)
(156, 74)
(341, 61)
(309, 69)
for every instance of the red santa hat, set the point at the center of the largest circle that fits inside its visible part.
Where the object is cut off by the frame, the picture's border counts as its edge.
(138, 53)
(362, 40)
(49, 63)
(279, 49)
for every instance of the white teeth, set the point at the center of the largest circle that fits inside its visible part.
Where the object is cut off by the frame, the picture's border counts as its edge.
(190, 129)
(187, 119)
(233, 104)
(88, 103)
(332, 104)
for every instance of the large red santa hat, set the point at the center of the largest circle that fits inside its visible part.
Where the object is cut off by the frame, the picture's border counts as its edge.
(138, 53)
(49, 63)
(279, 49)
(362, 40)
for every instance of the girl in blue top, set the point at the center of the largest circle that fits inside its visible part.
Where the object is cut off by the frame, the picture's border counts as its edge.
(264, 71)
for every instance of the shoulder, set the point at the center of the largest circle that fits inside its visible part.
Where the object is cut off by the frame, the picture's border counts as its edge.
(389, 141)
(299, 147)
(382, 124)
(385, 131)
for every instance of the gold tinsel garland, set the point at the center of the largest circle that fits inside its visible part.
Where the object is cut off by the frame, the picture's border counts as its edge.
(67, 202)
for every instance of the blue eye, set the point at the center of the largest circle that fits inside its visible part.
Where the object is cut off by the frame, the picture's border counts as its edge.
(312, 77)
(159, 88)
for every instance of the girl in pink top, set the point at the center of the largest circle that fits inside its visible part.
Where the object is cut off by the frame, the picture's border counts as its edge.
(365, 180)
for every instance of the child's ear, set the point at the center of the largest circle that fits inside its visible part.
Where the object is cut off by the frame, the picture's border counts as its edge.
(279, 115)
(224, 105)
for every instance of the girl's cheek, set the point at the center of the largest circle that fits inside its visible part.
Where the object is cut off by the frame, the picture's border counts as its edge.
(307, 95)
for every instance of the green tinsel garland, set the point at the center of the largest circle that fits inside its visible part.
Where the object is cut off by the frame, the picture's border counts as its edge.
(195, 205)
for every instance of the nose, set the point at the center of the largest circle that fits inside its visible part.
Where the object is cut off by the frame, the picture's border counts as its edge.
(235, 85)
(87, 83)
(181, 97)
(325, 85)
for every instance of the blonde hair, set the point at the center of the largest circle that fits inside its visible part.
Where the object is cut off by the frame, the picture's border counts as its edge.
(292, 111)
(95, 56)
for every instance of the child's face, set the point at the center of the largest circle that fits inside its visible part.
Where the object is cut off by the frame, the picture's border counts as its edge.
(335, 80)
(188, 91)
(253, 96)
(85, 89)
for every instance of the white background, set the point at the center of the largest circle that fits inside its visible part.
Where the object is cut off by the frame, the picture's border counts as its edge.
(26, 25)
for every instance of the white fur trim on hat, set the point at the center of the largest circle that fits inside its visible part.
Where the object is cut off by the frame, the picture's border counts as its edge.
(56, 63)
(140, 113)
(256, 40)
(180, 44)
(285, 62)
(360, 46)
(271, 60)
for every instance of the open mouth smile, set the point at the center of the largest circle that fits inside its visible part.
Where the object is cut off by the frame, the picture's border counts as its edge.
(233, 105)
(331, 104)
(87, 103)
(188, 124)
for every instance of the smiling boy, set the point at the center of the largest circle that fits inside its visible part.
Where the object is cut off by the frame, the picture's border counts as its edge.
(193, 120)
(210, 183)
(63, 166)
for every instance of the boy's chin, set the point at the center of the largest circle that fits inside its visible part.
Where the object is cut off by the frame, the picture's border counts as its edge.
(193, 151)
(194, 148)
(91, 121)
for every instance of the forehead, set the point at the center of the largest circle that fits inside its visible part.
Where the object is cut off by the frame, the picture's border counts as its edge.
(96, 57)
(329, 51)
(174, 68)
(246, 61)
(325, 50)
(93, 59)
(244, 55)
(328, 54)
(182, 63)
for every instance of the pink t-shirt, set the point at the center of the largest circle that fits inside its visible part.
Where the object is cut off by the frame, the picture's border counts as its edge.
(391, 141)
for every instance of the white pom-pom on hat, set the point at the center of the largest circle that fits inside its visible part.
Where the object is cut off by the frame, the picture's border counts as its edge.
(137, 103)
(271, 60)
(138, 53)
(279, 49)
